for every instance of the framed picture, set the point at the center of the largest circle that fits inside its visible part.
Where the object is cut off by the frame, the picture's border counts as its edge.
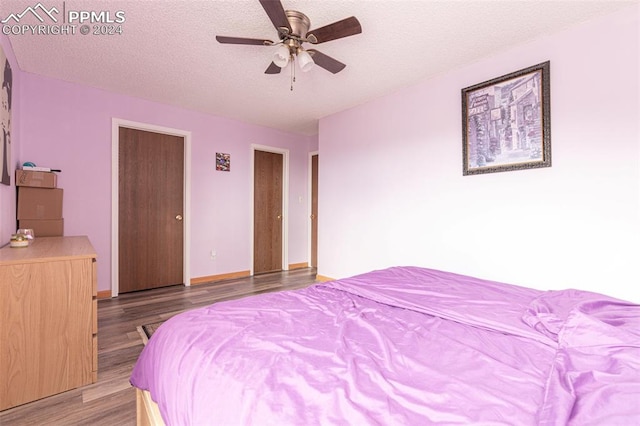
(5, 118)
(506, 122)
(223, 162)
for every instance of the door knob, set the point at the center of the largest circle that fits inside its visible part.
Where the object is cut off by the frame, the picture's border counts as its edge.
(279, 216)
(179, 217)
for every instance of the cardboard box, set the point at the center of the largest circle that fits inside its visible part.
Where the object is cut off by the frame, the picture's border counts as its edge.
(36, 179)
(44, 228)
(39, 203)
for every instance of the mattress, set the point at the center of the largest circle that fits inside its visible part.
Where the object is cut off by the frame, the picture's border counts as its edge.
(399, 346)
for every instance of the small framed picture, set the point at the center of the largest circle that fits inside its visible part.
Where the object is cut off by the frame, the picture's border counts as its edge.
(6, 86)
(223, 162)
(506, 122)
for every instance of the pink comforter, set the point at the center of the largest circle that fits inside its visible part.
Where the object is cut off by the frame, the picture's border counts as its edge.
(400, 346)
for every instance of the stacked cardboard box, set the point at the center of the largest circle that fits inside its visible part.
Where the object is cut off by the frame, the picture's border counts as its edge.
(36, 179)
(39, 203)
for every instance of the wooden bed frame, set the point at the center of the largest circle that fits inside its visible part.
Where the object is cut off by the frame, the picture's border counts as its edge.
(147, 411)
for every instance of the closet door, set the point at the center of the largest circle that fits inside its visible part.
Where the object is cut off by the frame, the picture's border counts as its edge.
(314, 211)
(150, 225)
(267, 215)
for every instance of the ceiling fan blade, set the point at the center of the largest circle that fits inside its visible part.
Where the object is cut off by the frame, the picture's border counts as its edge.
(326, 62)
(276, 13)
(242, 40)
(273, 69)
(344, 28)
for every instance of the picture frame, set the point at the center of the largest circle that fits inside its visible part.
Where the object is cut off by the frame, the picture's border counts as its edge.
(506, 122)
(223, 162)
(6, 86)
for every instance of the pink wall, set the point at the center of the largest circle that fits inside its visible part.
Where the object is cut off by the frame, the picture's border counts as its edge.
(392, 190)
(8, 193)
(68, 126)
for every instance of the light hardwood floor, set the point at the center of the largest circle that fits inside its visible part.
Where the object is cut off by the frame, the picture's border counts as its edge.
(111, 400)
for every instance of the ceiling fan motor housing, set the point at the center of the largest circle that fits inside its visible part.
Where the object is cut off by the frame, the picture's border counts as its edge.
(299, 23)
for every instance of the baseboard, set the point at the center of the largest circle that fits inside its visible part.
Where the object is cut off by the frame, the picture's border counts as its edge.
(322, 278)
(298, 265)
(220, 277)
(104, 294)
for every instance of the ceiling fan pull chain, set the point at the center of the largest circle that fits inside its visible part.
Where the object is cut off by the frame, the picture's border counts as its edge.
(293, 71)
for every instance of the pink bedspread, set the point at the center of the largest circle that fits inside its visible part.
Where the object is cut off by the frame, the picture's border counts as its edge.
(400, 346)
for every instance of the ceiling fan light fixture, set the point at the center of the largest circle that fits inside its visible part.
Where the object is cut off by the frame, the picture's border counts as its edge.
(305, 61)
(281, 57)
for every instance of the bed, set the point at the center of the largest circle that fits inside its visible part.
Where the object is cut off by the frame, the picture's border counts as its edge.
(398, 346)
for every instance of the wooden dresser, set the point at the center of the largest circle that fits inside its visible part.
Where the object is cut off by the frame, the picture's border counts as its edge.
(48, 318)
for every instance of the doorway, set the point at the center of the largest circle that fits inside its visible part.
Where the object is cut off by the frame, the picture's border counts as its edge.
(313, 261)
(149, 207)
(270, 204)
(268, 174)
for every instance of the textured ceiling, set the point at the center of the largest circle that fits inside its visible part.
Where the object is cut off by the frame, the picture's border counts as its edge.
(167, 51)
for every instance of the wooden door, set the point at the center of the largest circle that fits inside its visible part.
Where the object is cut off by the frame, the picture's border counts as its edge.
(314, 211)
(150, 240)
(267, 212)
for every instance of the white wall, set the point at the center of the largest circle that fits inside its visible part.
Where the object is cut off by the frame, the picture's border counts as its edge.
(68, 126)
(392, 190)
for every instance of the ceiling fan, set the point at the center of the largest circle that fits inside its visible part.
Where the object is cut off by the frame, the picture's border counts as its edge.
(293, 31)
